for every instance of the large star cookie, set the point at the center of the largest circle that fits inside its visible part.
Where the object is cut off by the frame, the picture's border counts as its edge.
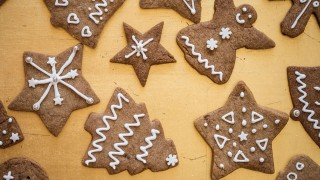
(22, 168)
(300, 167)
(54, 88)
(210, 47)
(143, 51)
(240, 133)
(10, 133)
(304, 85)
(190, 9)
(82, 19)
(123, 138)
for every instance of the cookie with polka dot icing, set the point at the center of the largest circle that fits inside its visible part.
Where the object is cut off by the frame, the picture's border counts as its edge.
(241, 133)
(304, 86)
(82, 19)
(10, 133)
(22, 169)
(300, 167)
(210, 47)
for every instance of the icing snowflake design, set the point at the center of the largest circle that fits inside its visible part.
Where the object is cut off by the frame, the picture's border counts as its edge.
(212, 44)
(225, 33)
(171, 160)
(54, 79)
(139, 49)
(8, 176)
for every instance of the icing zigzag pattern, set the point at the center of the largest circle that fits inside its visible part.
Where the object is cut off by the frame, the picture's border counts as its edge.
(99, 12)
(114, 117)
(200, 60)
(124, 142)
(302, 99)
(140, 157)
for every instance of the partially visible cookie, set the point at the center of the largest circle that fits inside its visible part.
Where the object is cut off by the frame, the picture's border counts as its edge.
(82, 19)
(123, 138)
(304, 86)
(2, 1)
(300, 167)
(22, 169)
(10, 133)
(190, 9)
(241, 133)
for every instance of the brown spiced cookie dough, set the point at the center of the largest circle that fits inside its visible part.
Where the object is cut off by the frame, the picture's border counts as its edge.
(123, 138)
(190, 9)
(143, 51)
(304, 86)
(300, 167)
(2, 1)
(241, 133)
(82, 19)
(22, 169)
(54, 87)
(10, 133)
(210, 47)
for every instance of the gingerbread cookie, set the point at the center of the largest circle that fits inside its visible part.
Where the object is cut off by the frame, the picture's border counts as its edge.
(298, 16)
(304, 85)
(22, 169)
(190, 9)
(300, 167)
(210, 47)
(241, 133)
(82, 19)
(10, 133)
(123, 138)
(2, 1)
(143, 51)
(55, 87)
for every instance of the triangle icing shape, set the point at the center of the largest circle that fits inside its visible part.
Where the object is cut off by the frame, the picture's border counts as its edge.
(254, 115)
(224, 117)
(264, 146)
(217, 137)
(244, 158)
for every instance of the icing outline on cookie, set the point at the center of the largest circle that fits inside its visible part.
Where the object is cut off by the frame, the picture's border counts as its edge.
(63, 3)
(75, 19)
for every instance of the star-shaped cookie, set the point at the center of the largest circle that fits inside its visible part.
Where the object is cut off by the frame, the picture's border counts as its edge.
(210, 47)
(190, 9)
(241, 133)
(143, 51)
(54, 87)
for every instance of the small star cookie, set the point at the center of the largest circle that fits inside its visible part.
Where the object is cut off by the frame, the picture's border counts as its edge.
(241, 133)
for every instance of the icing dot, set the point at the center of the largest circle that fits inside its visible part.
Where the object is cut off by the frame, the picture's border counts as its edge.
(265, 126)
(29, 59)
(89, 8)
(277, 121)
(249, 16)
(101, 18)
(90, 101)
(253, 131)
(261, 160)
(244, 109)
(242, 94)
(10, 120)
(105, 10)
(4, 132)
(1, 143)
(230, 130)
(217, 127)
(229, 154)
(205, 124)
(244, 9)
(315, 4)
(252, 149)
(296, 113)
(234, 144)
(221, 166)
(244, 123)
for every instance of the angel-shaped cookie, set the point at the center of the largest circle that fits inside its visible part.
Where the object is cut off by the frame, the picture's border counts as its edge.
(210, 47)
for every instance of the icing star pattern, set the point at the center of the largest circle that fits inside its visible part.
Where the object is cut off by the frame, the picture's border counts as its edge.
(14, 137)
(8, 176)
(238, 145)
(171, 160)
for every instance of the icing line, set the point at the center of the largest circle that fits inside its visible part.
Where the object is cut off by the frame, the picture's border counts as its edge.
(191, 8)
(148, 140)
(300, 15)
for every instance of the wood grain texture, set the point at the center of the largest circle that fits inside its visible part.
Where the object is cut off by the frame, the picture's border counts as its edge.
(175, 93)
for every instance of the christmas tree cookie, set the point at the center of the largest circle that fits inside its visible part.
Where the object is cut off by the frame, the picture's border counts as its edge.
(10, 133)
(241, 133)
(123, 138)
(210, 47)
(54, 87)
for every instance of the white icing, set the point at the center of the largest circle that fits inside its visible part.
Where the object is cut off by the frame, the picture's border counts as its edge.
(139, 49)
(63, 3)
(230, 130)
(244, 9)
(252, 149)
(205, 124)
(315, 4)
(254, 119)
(277, 121)
(244, 109)
(86, 32)
(200, 60)
(8, 176)
(242, 94)
(243, 136)
(250, 16)
(14, 137)
(124, 142)
(10, 120)
(4, 132)
(221, 166)
(265, 126)
(229, 153)
(262, 146)
(296, 113)
(292, 176)
(244, 123)
(234, 144)
(114, 117)
(224, 117)
(1, 143)
(98, 12)
(239, 20)
(261, 159)
(54, 79)
(299, 166)
(300, 15)
(148, 140)
(317, 88)
(253, 131)
(212, 44)
(73, 19)
(240, 153)
(220, 144)
(192, 8)
(217, 127)
(171, 160)
(225, 33)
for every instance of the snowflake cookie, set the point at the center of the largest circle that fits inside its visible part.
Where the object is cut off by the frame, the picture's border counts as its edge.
(300, 167)
(22, 168)
(190, 9)
(54, 87)
(82, 19)
(10, 133)
(304, 86)
(240, 133)
(210, 47)
(123, 138)
(143, 51)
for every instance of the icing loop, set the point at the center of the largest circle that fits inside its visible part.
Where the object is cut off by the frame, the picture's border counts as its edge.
(139, 49)
(192, 7)
(86, 32)
(148, 140)
(292, 176)
(73, 19)
(63, 3)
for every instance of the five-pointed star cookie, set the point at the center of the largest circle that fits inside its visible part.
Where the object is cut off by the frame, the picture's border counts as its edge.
(54, 87)
(143, 51)
(240, 133)
(210, 47)
(190, 9)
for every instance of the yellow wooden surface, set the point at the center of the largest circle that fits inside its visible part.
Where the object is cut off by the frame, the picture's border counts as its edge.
(175, 93)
